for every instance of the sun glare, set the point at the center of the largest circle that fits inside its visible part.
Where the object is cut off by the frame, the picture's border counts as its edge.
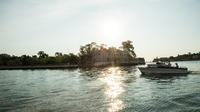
(111, 29)
(112, 78)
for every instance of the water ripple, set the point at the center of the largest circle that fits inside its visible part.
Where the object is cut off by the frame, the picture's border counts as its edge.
(98, 89)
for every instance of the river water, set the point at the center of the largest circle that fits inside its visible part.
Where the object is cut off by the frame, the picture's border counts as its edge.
(109, 89)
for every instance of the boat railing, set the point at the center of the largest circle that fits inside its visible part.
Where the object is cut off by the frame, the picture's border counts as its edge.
(165, 66)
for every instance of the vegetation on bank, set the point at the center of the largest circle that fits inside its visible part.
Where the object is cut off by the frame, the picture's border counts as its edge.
(86, 51)
(40, 59)
(184, 57)
(83, 58)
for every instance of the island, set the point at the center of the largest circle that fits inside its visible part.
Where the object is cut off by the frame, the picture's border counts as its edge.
(90, 55)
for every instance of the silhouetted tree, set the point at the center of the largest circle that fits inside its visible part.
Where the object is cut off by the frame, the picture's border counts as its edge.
(58, 54)
(4, 58)
(128, 47)
(42, 54)
(26, 60)
(85, 54)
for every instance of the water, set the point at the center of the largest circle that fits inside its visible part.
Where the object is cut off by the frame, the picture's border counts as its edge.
(104, 89)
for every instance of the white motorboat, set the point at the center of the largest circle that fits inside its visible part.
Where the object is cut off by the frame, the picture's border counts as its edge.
(162, 68)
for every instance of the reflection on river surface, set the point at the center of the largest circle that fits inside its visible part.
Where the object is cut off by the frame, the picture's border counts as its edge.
(114, 88)
(109, 89)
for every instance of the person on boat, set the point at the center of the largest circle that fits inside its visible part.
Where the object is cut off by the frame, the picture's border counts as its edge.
(169, 64)
(176, 65)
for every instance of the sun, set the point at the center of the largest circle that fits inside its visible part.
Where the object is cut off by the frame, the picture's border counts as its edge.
(111, 29)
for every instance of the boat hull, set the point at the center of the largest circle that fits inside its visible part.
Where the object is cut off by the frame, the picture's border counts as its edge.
(146, 70)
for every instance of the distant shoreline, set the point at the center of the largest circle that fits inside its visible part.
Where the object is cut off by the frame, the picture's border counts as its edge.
(184, 57)
(174, 60)
(184, 60)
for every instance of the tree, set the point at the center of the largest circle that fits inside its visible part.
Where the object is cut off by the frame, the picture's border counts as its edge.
(86, 54)
(26, 60)
(42, 54)
(58, 54)
(4, 58)
(128, 47)
(73, 59)
(50, 60)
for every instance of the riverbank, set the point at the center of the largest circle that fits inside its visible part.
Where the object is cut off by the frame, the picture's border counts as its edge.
(70, 66)
(38, 67)
(183, 57)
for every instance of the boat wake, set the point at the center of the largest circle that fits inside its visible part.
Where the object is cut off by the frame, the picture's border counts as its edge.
(194, 72)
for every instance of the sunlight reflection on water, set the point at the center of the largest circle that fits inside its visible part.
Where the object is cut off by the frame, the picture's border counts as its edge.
(108, 89)
(112, 77)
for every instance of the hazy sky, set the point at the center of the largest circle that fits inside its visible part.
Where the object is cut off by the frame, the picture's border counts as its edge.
(156, 27)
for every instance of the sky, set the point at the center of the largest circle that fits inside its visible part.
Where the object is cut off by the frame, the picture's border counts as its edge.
(158, 28)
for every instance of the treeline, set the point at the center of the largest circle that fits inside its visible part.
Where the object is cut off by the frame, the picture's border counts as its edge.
(83, 58)
(40, 59)
(185, 57)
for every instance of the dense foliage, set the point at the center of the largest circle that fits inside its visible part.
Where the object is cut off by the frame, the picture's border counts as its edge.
(128, 47)
(86, 54)
(184, 57)
(84, 57)
(40, 59)
(86, 51)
